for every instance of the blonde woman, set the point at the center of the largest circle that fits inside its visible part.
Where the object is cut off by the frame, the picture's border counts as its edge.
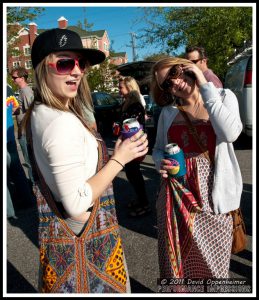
(194, 224)
(133, 108)
(80, 245)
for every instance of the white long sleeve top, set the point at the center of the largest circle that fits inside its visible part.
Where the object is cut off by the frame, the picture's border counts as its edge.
(225, 119)
(66, 154)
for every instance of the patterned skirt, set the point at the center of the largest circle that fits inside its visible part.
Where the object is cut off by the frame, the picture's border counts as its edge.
(193, 242)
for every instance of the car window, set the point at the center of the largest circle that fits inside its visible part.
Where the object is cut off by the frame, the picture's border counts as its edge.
(235, 74)
(103, 99)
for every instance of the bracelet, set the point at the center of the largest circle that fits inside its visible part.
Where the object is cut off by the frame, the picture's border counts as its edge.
(118, 162)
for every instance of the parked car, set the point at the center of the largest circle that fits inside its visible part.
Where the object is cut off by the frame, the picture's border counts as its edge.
(239, 79)
(107, 110)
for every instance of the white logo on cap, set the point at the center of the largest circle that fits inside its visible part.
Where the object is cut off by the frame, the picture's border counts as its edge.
(63, 41)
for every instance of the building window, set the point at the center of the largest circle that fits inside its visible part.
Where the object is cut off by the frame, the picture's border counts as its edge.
(95, 44)
(27, 50)
(16, 52)
(105, 46)
(16, 64)
(28, 64)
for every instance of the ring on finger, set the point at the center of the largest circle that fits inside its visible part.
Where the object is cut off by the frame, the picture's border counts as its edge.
(143, 133)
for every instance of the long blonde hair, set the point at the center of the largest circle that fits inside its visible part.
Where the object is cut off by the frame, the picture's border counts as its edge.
(134, 91)
(161, 97)
(43, 94)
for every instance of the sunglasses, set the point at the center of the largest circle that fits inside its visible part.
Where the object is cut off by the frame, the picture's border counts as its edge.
(65, 66)
(195, 60)
(175, 72)
(15, 77)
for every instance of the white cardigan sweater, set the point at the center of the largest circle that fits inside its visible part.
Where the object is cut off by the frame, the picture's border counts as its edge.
(225, 119)
(66, 154)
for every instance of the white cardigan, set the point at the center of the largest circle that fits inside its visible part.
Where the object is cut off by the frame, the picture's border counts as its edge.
(225, 119)
(66, 154)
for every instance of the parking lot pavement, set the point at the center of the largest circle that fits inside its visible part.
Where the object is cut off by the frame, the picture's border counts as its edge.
(139, 238)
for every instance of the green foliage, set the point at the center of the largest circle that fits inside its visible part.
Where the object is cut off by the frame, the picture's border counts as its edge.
(20, 15)
(79, 24)
(87, 26)
(11, 83)
(155, 56)
(100, 78)
(220, 30)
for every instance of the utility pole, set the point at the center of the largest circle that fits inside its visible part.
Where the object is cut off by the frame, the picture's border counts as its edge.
(133, 45)
(84, 19)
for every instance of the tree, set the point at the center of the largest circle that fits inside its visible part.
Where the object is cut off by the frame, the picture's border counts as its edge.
(155, 56)
(101, 78)
(16, 18)
(220, 30)
(87, 26)
(20, 15)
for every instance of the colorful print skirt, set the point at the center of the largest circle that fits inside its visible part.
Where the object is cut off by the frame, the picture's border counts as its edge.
(193, 242)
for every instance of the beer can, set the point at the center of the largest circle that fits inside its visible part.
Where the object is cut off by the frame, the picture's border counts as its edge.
(175, 154)
(129, 128)
(130, 125)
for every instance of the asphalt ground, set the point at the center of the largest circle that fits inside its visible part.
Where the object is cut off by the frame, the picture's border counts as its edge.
(139, 236)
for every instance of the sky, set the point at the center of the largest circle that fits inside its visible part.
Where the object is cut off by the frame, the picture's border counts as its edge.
(119, 22)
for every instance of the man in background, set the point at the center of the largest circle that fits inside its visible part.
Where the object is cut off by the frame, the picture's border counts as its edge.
(18, 194)
(198, 56)
(25, 98)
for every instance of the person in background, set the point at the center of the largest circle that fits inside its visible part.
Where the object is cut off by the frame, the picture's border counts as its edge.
(133, 108)
(25, 99)
(19, 195)
(198, 56)
(80, 245)
(193, 211)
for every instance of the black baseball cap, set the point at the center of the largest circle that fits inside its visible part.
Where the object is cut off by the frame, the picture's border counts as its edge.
(57, 39)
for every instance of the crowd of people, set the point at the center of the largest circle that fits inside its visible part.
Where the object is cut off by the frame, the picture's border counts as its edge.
(71, 172)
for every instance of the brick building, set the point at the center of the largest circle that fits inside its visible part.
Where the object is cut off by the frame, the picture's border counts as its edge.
(25, 37)
(118, 58)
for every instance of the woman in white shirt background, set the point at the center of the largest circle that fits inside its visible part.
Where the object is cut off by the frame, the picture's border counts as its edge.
(77, 217)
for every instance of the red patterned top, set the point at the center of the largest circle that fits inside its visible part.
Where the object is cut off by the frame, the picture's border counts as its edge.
(179, 133)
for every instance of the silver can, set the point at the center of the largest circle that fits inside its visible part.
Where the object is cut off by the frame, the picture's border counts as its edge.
(131, 124)
(172, 148)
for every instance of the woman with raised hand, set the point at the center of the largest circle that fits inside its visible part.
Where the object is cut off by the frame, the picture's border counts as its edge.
(193, 210)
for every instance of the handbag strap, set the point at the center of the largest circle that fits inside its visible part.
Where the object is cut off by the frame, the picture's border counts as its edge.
(193, 131)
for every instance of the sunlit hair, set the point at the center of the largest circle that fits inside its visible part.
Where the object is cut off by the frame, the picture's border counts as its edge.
(161, 97)
(43, 94)
(130, 83)
(133, 89)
